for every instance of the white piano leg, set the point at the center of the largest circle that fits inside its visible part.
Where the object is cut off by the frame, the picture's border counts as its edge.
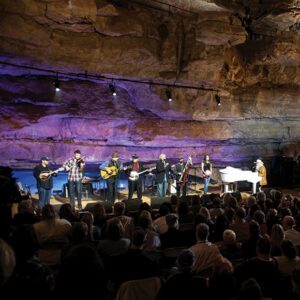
(226, 187)
(254, 188)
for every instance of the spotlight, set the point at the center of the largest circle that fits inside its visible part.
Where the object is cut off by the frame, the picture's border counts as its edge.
(57, 84)
(169, 95)
(218, 100)
(112, 89)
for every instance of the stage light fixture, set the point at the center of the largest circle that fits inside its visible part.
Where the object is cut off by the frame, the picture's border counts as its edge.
(112, 89)
(218, 100)
(169, 95)
(57, 85)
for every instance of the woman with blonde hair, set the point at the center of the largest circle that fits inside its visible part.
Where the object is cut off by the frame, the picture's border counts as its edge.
(276, 238)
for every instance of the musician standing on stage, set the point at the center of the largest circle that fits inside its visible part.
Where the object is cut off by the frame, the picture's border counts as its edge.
(75, 166)
(206, 168)
(181, 180)
(135, 166)
(162, 174)
(44, 184)
(112, 181)
(262, 172)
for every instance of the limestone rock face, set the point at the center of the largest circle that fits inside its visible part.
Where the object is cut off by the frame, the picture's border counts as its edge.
(245, 51)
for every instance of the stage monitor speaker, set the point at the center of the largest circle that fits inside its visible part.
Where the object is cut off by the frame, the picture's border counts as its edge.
(108, 206)
(156, 202)
(133, 204)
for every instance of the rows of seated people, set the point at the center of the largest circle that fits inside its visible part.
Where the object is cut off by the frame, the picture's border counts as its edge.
(191, 248)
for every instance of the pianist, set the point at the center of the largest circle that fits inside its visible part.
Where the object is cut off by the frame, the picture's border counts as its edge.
(262, 172)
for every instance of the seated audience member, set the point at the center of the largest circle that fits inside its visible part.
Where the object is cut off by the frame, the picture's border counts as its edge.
(240, 226)
(94, 232)
(100, 216)
(7, 263)
(230, 248)
(135, 263)
(49, 231)
(289, 231)
(217, 209)
(272, 218)
(289, 260)
(160, 223)
(262, 267)
(276, 238)
(173, 237)
(206, 253)
(184, 284)
(259, 217)
(184, 213)
(114, 242)
(249, 246)
(152, 240)
(26, 214)
(81, 275)
(67, 212)
(127, 222)
(221, 225)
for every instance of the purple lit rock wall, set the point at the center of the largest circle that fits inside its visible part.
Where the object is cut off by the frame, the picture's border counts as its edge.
(257, 78)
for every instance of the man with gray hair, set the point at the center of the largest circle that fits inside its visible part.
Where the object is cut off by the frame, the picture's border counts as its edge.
(162, 174)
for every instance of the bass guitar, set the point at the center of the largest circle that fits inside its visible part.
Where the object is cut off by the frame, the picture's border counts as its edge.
(46, 175)
(111, 171)
(134, 176)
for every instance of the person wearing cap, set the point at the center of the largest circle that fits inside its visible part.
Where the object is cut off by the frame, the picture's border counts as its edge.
(75, 166)
(262, 172)
(136, 166)
(180, 168)
(44, 184)
(162, 175)
(112, 181)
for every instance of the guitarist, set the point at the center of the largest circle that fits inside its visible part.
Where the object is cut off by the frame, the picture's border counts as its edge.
(136, 166)
(112, 181)
(44, 186)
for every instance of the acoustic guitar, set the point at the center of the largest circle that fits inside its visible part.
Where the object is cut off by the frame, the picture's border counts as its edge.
(111, 171)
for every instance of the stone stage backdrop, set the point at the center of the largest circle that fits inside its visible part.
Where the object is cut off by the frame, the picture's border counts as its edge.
(245, 52)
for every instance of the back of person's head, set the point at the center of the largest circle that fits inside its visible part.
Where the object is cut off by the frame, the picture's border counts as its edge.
(174, 200)
(172, 220)
(251, 201)
(288, 222)
(145, 219)
(263, 246)
(114, 230)
(145, 206)
(87, 218)
(203, 211)
(25, 206)
(277, 233)
(138, 238)
(66, 211)
(254, 228)
(7, 262)
(250, 290)
(183, 208)
(240, 213)
(232, 202)
(79, 232)
(119, 208)
(48, 212)
(229, 237)
(259, 217)
(202, 232)
(288, 249)
(253, 209)
(164, 209)
(185, 260)
(261, 197)
(99, 210)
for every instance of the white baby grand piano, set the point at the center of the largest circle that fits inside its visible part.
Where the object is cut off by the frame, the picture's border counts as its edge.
(233, 175)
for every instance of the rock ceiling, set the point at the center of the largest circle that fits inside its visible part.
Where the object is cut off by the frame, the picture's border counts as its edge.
(247, 52)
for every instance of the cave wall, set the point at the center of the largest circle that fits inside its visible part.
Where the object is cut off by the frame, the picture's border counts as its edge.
(255, 71)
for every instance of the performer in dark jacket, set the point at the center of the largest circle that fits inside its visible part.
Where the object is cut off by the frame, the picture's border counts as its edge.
(44, 183)
(180, 168)
(135, 167)
(162, 174)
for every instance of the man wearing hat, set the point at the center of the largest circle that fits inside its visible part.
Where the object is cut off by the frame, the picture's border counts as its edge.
(262, 172)
(112, 168)
(44, 181)
(135, 166)
(180, 168)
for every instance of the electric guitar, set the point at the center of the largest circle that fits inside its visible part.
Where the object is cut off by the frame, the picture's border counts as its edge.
(134, 176)
(46, 175)
(111, 171)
